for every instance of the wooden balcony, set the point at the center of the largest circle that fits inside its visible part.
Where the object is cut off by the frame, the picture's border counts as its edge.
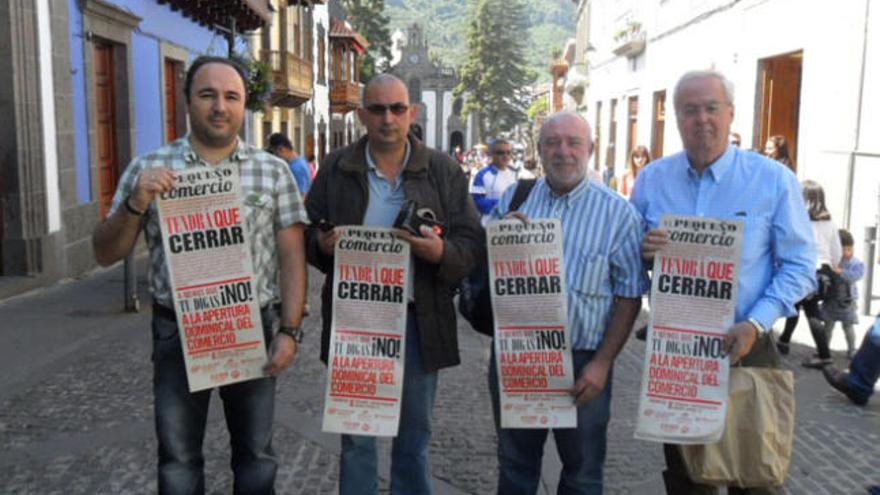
(291, 78)
(345, 96)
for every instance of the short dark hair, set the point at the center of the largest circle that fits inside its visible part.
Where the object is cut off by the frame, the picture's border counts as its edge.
(211, 59)
(278, 140)
(846, 239)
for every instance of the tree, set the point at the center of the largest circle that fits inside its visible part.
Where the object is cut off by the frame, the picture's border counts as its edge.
(540, 107)
(368, 19)
(494, 75)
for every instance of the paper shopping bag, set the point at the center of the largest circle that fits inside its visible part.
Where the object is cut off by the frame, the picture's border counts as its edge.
(755, 448)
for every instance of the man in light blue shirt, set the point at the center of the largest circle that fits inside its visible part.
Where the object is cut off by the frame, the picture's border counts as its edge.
(604, 281)
(280, 146)
(714, 179)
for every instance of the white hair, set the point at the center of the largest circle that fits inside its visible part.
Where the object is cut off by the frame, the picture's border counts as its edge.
(703, 74)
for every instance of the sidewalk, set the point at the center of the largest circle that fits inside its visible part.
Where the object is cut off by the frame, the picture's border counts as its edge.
(76, 412)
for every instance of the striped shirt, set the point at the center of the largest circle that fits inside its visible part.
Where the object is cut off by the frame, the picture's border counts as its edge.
(271, 203)
(601, 238)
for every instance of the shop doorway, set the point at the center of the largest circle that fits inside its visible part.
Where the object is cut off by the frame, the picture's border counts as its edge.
(779, 100)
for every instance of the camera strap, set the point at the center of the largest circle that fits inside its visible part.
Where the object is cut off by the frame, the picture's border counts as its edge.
(523, 188)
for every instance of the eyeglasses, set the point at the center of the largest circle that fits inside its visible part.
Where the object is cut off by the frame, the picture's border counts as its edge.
(502, 153)
(379, 109)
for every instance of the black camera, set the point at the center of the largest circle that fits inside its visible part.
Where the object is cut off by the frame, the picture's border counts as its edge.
(412, 217)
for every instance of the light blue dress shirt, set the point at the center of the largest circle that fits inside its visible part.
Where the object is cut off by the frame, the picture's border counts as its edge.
(778, 262)
(384, 201)
(601, 240)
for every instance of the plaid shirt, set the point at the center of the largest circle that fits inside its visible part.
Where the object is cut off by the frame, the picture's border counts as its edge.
(271, 203)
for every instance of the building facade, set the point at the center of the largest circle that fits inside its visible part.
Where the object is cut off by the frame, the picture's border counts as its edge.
(438, 122)
(807, 70)
(314, 55)
(87, 86)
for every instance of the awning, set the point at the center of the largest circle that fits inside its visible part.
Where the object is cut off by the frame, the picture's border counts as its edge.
(248, 14)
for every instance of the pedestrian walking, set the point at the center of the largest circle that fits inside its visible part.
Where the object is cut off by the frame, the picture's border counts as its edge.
(864, 370)
(215, 91)
(491, 181)
(708, 179)
(841, 303)
(280, 146)
(367, 183)
(828, 252)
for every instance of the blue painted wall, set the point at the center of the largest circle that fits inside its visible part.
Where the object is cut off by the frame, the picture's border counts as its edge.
(158, 24)
(80, 122)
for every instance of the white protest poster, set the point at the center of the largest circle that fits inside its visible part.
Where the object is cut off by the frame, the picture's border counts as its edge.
(532, 345)
(368, 333)
(207, 251)
(683, 396)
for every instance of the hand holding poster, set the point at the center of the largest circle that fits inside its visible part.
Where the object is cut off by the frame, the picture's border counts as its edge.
(532, 351)
(693, 297)
(368, 333)
(207, 251)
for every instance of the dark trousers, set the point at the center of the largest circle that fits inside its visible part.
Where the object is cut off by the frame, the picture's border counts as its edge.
(181, 417)
(810, 306)
(762, 355)
(864, 371)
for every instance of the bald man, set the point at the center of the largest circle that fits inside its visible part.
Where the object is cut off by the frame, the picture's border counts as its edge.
(367, 183)
(605, 281)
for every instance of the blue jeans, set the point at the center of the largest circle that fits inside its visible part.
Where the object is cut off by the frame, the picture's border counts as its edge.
(864, 370)
(410, 469)
(181, 417)
(581, 449)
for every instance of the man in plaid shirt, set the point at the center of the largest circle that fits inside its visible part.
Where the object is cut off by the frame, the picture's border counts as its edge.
(215, 92)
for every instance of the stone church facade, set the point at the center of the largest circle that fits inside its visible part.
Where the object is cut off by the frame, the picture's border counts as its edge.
(438, 122)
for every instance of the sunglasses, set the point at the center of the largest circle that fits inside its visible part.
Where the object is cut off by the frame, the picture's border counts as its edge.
(502, 153)
(379, 109)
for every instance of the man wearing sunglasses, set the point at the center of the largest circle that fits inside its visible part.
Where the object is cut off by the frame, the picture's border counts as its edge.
(493, 179)
(367, 183)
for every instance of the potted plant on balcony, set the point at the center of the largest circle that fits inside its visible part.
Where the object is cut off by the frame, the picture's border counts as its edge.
(259, 85)
(558, 65)
(630, 39)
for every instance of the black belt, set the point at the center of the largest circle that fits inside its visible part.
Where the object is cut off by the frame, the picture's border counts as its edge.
(169, 314)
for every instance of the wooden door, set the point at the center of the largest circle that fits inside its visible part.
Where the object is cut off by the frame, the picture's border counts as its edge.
(632, 124)
(780, 100)
(310, 145)
(657, 133)
(105, 134)
(172, 129)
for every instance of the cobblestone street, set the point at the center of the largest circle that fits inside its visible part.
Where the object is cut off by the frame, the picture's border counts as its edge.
(76, 412)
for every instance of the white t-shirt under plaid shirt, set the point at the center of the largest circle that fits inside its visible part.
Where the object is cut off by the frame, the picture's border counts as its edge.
(271, 203)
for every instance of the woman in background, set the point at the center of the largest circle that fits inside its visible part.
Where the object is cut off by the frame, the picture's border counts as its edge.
(638, 158)
(777, 149)
(828, 253)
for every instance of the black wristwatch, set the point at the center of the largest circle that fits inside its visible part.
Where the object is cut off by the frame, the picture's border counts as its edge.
(130, 209)
(296, 333)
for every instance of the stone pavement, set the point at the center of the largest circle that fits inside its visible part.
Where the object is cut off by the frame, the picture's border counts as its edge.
(76, 412)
